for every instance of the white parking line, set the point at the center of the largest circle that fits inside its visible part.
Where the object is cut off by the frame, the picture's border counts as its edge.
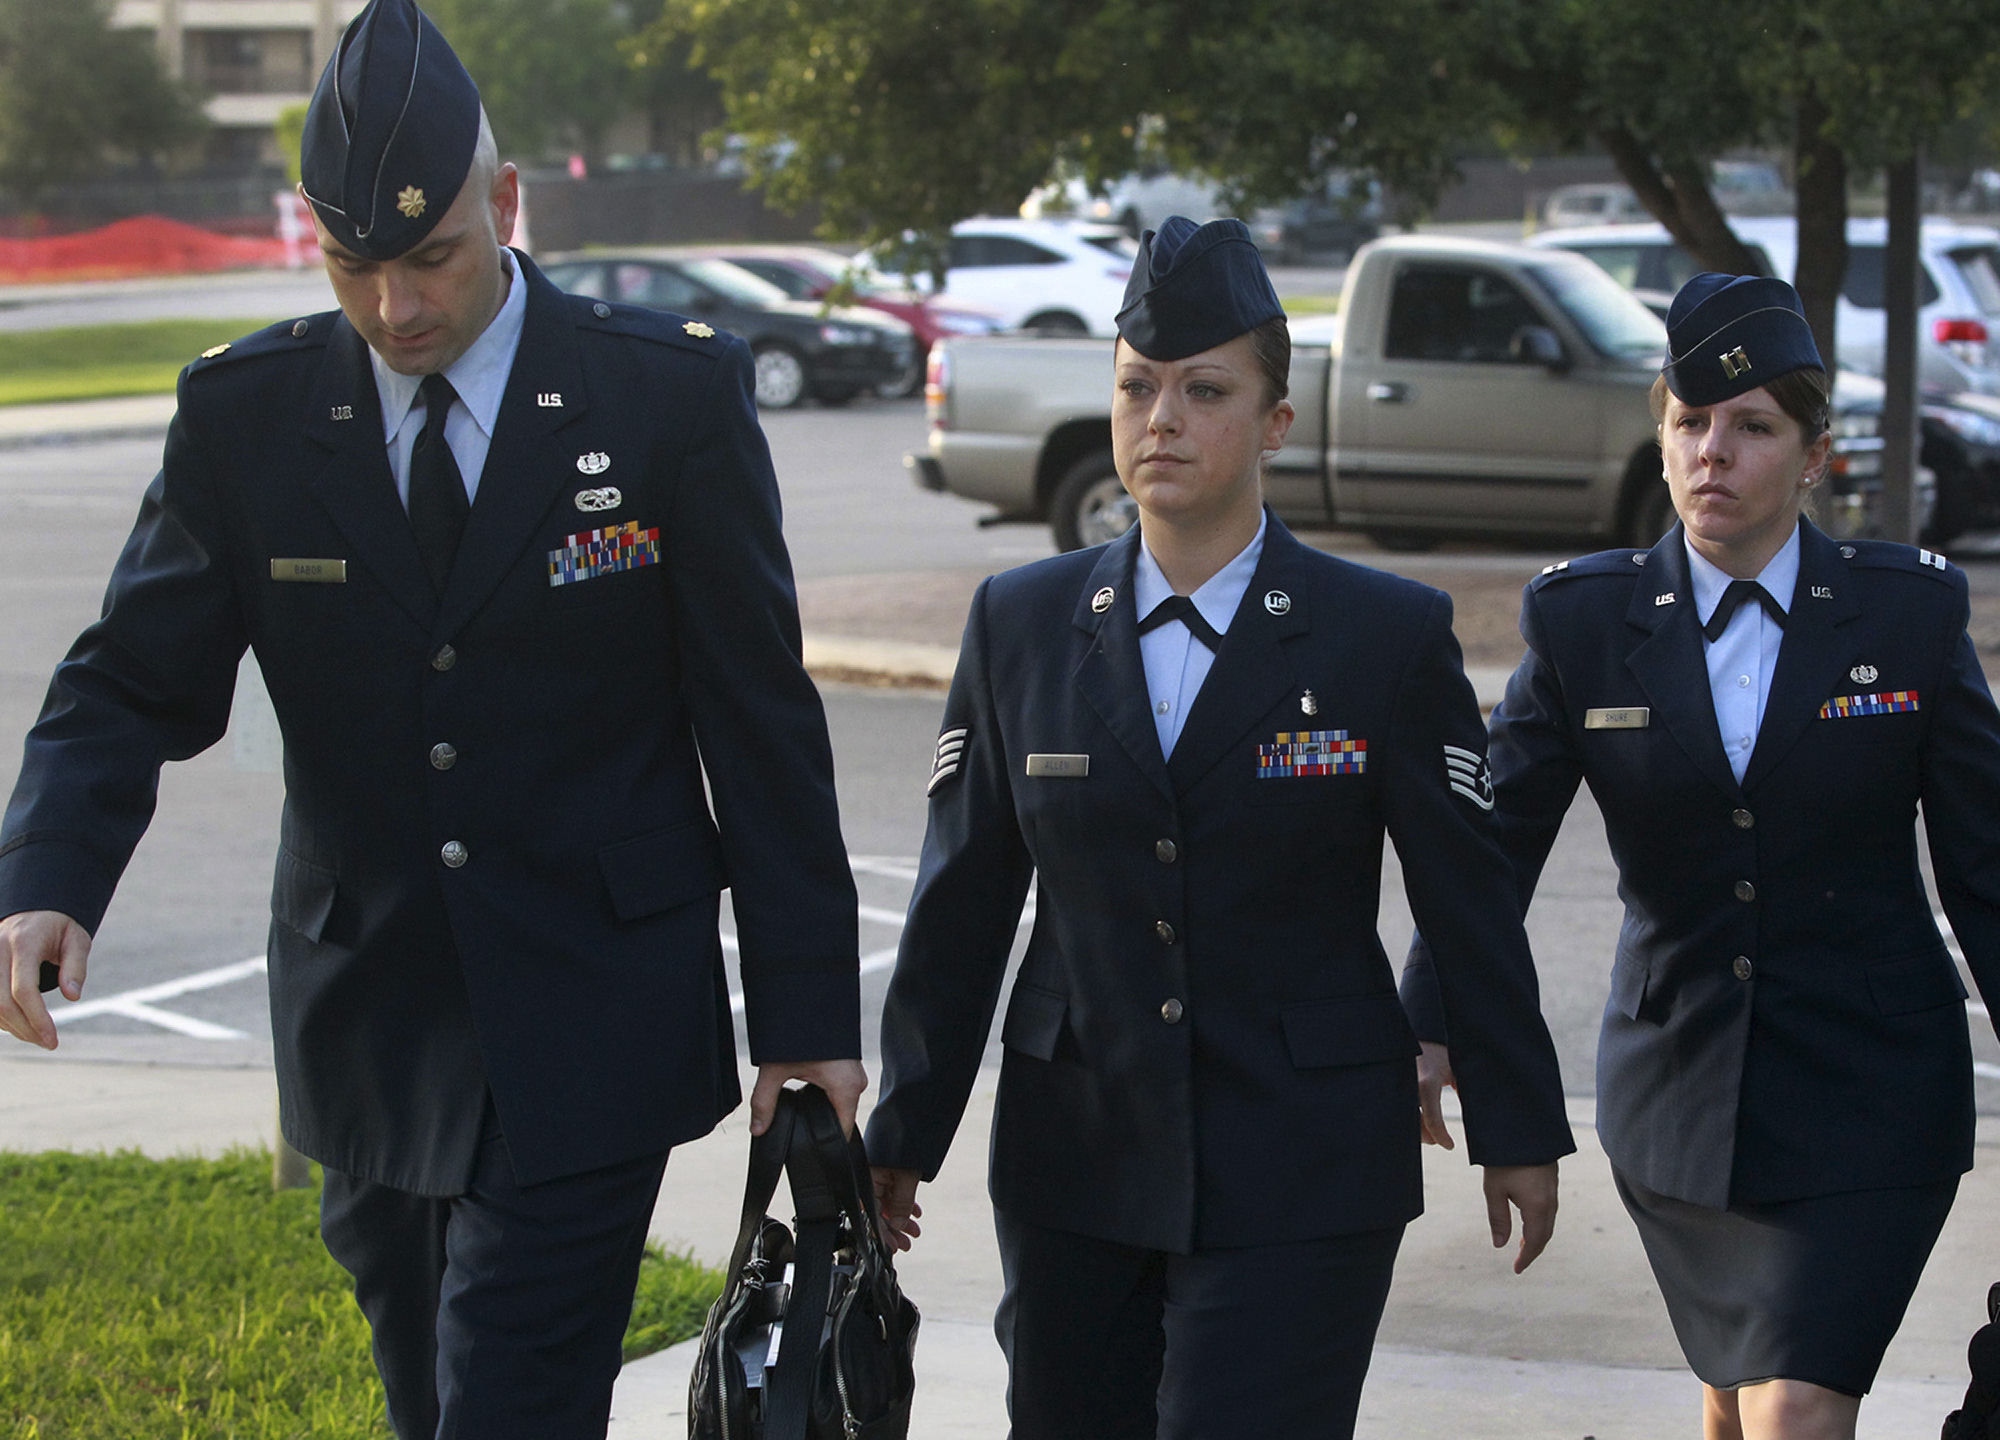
(138, 1004)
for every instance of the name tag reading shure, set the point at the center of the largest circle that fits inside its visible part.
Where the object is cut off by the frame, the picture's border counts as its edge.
(1058, 767)
(311, 572)
(1633, 717)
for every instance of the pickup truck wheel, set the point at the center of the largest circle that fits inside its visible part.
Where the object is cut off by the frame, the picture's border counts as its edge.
(781, 378)
(1652, 514)
(1090, 505)
(1055, 323)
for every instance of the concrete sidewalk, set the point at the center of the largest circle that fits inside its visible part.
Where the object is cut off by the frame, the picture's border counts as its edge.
(1577, 1347)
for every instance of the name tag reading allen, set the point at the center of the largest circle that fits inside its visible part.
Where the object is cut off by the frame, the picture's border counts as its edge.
(1058, 767)
(311, 572)
(1634, 717)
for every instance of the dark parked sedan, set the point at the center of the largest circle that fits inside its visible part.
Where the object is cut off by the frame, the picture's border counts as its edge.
(801, 348)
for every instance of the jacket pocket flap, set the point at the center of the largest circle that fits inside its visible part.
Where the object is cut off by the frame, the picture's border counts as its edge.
(1034, 1022)
(661, 869)
(302, 895)
(1364, 1030)
(1915, 982)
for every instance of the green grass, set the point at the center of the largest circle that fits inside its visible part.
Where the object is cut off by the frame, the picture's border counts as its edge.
(91, 362)
(183, 1300)
(1297, 305)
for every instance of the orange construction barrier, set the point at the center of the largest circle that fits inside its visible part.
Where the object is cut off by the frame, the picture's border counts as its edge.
(143, 245)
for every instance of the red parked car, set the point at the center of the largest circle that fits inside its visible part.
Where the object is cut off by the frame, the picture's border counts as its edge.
(810, 272)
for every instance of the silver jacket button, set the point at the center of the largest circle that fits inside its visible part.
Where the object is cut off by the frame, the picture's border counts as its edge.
(1172, 1011)
(443, 757)
(1740, 967)
(1745, 891)
(454, 854)
(445, 658)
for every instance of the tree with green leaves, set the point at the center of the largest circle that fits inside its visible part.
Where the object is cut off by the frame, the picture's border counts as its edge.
(550, 72)
(79, 98)
(912, 114)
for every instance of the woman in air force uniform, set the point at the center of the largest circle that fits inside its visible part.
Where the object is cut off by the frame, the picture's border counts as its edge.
(1205, 1142)
(1784, 1077)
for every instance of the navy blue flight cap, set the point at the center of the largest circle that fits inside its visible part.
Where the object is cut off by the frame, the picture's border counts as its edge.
(1728, 334)
(390, 133)
(1195, 287)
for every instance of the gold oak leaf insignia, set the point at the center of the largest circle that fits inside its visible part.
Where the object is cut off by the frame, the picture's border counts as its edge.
(410, 200)
(214, 350)
(698, 330)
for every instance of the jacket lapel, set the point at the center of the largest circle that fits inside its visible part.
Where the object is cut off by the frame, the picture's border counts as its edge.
(1668, 662)
(525, 466)
(353, 481)
(1251, 671)
(1109, 673)
(1812, 656)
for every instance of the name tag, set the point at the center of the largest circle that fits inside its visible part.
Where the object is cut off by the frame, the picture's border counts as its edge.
(311, 572)
(1058, 767)
(1635, 717)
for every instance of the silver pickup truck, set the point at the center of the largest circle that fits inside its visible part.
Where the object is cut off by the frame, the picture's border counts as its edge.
(1466, 387)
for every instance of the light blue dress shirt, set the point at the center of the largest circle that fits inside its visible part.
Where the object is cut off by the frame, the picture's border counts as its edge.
(1176, 663)
(1743, 658)
(480, 378)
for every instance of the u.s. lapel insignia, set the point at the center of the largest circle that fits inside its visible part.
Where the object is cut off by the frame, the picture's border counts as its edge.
(1101, 601)
(1863, 674)
(1666, 599)
(549, 399)
(596, 462)
(609, 498)
(1822, 592)
(1467, 772)
(1277, 602)
(410, 200)
(699, 330)
(340, 412)
(950, 751)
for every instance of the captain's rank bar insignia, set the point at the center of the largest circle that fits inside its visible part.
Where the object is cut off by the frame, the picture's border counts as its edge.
(1296, 753)
(950, 751)
(592, 553)
(1885, 702)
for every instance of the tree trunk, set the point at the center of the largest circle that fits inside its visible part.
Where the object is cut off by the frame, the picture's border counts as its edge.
(1822, 222)
(1680, 198)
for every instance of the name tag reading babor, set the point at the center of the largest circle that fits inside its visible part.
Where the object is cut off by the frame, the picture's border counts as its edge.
(1633, 717)
(311, 572)
(1058, 767)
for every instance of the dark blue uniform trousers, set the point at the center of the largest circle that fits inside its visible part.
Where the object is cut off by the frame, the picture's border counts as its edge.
(1111, 1342)
(497, 1313)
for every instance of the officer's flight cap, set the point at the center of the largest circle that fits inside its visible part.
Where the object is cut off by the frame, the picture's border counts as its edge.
(1194, 287)
(390, 133)
(1728, 334)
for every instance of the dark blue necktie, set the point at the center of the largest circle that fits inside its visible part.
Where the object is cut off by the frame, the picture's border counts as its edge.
(438, 506)
(1179, 607)
(1735, 595)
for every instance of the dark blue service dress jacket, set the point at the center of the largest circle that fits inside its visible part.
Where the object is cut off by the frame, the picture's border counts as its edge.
(622, 594)
(1204, 1046)
(1784, 1018)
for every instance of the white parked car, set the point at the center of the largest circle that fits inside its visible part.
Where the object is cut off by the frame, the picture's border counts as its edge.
(1052, 277)
(1958, 326)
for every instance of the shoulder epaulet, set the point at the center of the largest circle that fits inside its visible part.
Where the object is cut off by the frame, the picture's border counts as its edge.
(1605, 562)
(285, 337)
(662, 326)
(1888, 555)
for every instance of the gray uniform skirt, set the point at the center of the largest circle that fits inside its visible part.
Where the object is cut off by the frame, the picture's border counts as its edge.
(1808, 1289)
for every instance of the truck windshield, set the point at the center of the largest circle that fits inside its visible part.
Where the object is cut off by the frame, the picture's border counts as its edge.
(1605, 311)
